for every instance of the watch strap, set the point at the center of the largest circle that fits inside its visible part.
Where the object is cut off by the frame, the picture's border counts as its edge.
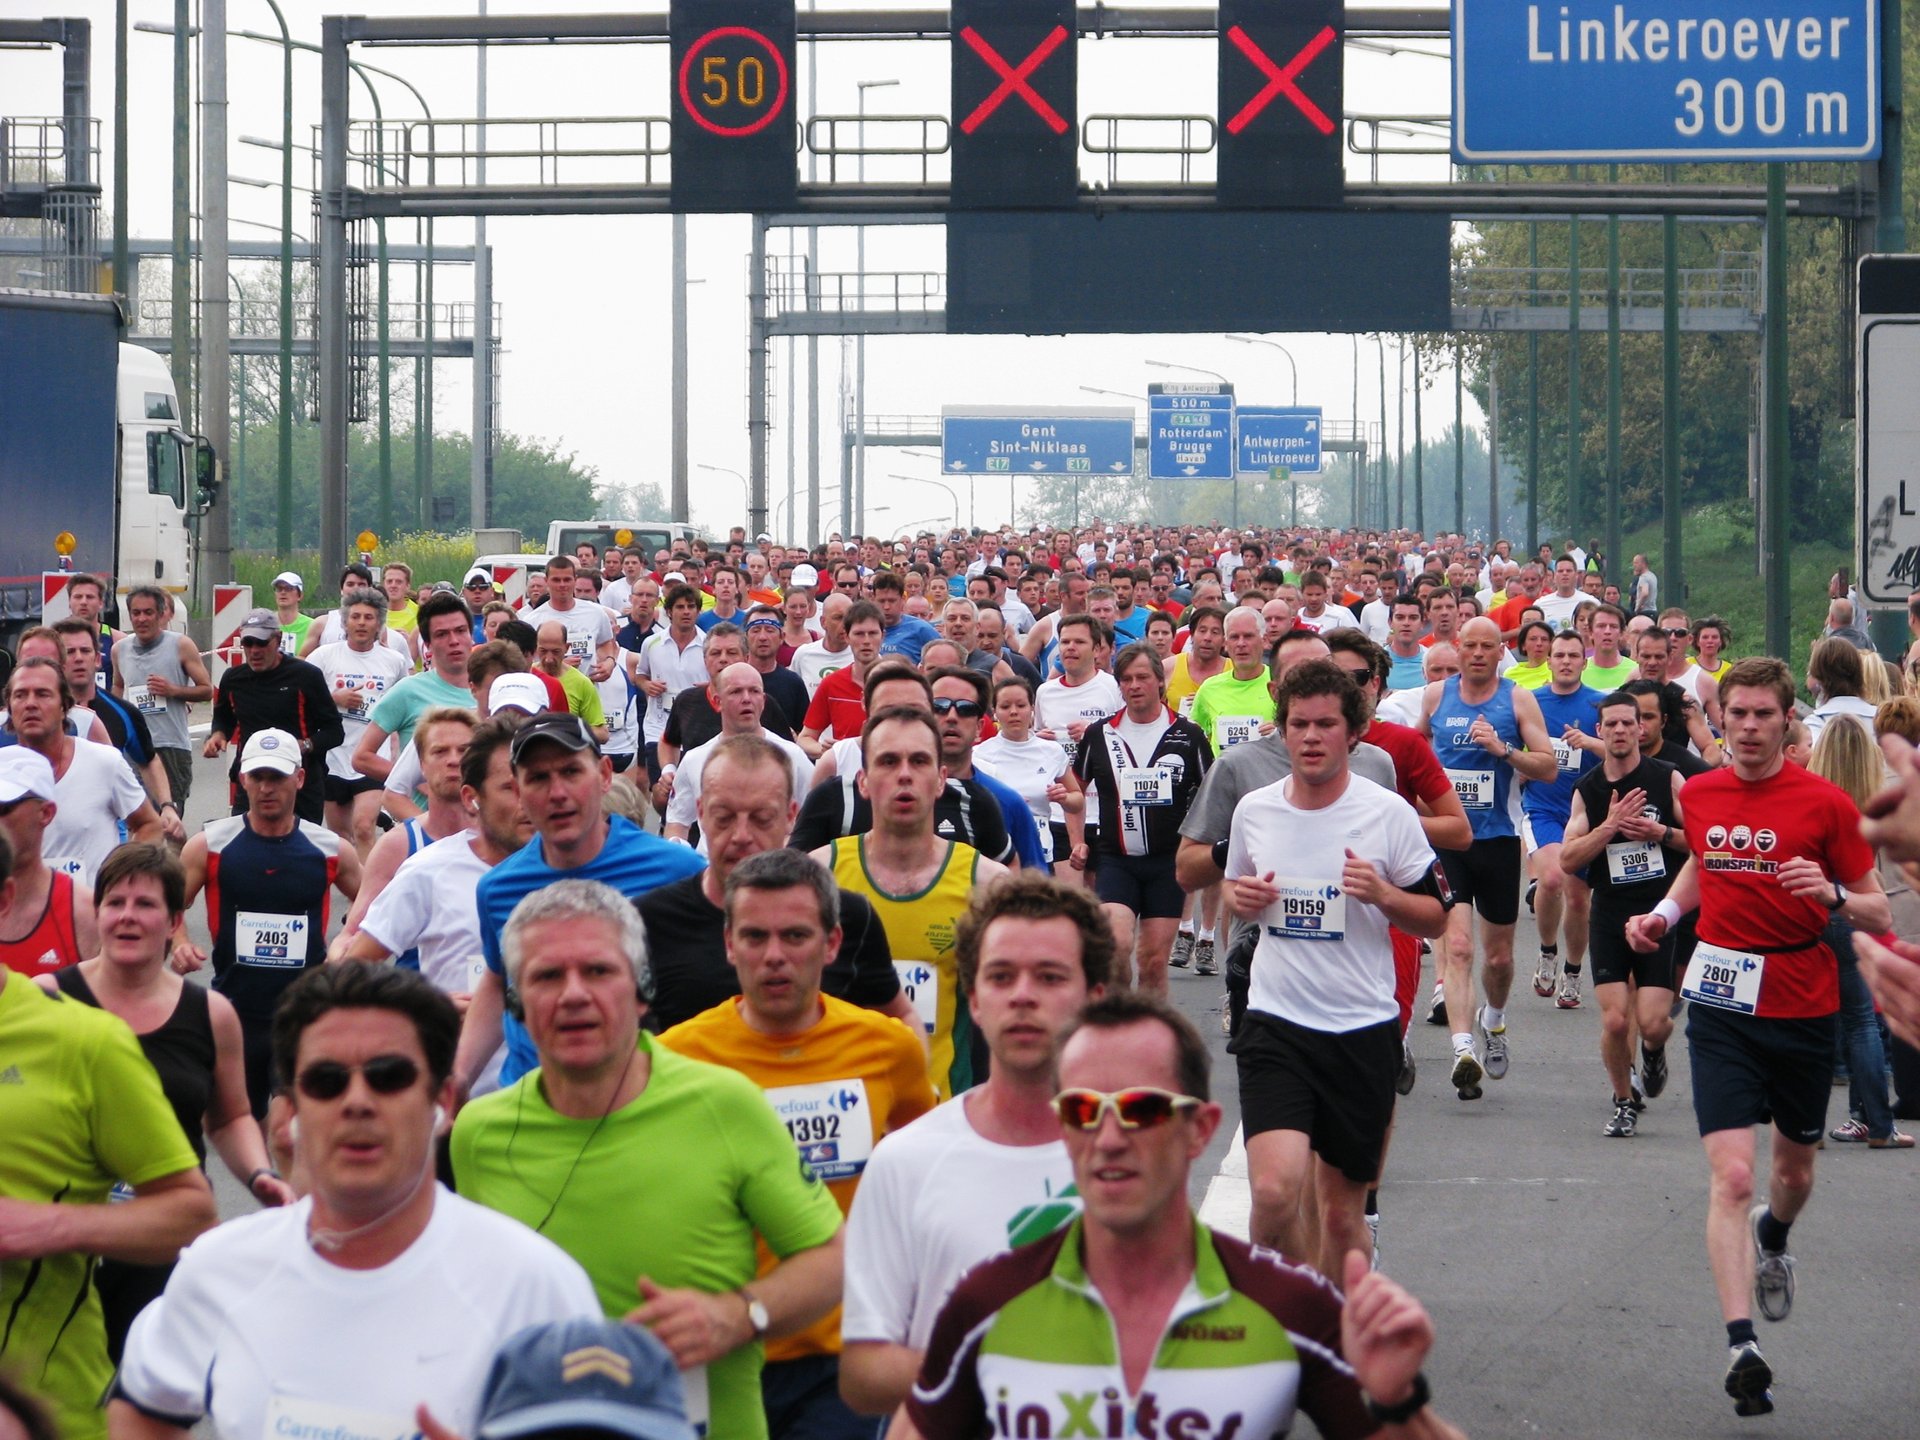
(1406, 1409)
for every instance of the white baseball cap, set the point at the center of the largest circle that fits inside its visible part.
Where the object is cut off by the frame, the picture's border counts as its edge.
(24, 772)
(289, 577)
(270, 750)
(518, 691)
(804, 577)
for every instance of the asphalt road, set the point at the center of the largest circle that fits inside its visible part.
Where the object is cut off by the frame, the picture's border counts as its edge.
(1566, 1272)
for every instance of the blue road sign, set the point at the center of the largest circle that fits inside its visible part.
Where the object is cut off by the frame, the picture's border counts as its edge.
(1279, 436)
(1087, 443)
(1599, 80)
(1189, 433)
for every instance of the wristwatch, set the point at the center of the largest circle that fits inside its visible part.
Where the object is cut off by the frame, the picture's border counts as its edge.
(1406, 1409)
(757, 1315)
(1839, 902)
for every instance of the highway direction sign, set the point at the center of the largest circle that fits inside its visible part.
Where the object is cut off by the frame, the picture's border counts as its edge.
(1676, 80)
(1283, 437)
(1092, 440)
(1190, 432)
(1888, 336)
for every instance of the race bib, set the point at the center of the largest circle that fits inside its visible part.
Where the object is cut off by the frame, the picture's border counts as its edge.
(1565, 756)
(921, 982)
(275, 942)
(831, 1123)
(292, 1417)
(1186, 706)
(579, 648)
(1309, 910)
(1631, 861)
(1149, 785)
(144, 700)
(1232, 730)
(1725, 979)
(1473, 787)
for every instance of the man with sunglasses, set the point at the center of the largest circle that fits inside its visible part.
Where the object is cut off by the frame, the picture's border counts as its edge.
(657, 1172)
(272, 690)
(985, 1171)
(379, 1292)
(268, 875)
(1055, 1332)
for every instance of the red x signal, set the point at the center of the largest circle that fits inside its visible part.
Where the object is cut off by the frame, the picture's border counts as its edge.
(1280, 80)
(1013, 81)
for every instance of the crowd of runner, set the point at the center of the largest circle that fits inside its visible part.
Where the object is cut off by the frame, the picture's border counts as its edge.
(748, 967)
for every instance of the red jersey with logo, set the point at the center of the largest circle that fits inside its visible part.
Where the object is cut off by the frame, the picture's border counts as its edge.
(51, 945)
(1416, 769)
(1739, 832)
(839, 705)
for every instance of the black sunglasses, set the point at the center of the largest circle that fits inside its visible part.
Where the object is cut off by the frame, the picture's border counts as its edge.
(385, 1074)
(1680, 634)
(965, 709)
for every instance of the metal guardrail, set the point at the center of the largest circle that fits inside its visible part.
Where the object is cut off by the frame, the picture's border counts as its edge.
(790, 287)
(1734, 283)
(913, 137)
(258, 317)
(545, 150)
(34, 152)
(1117, 137)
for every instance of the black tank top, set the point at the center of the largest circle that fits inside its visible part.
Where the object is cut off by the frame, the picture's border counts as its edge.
(181, 1052)
(1596, 792)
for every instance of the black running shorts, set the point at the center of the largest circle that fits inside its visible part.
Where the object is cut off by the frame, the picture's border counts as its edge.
(1335, 1088)
(1614, 962)
(1748, 1070)
(1488, 874)
(1144, 884)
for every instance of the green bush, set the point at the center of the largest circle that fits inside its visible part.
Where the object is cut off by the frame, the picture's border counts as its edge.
(432, 556)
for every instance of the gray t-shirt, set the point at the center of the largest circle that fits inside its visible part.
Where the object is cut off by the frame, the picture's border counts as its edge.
(166, 719)
(1247, 768)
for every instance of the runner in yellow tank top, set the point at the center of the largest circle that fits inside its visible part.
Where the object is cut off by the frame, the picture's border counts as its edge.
(920, 934)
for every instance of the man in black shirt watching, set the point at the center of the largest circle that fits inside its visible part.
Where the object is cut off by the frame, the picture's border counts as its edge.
(271, 690)
(746, 808)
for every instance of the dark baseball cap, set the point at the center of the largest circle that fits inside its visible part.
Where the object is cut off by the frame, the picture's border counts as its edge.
(583, 1375)
(563, 728)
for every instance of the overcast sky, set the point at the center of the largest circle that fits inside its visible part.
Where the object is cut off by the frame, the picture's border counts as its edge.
(585, 300)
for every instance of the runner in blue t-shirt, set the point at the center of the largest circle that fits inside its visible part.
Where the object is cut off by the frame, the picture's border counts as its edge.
(1571, 710)
(563, 780)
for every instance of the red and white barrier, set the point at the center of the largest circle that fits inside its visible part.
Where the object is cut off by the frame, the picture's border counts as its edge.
(230, 606)
(54, 602)
(511, 580)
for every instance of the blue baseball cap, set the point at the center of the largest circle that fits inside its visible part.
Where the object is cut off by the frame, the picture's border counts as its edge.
(584, 1374)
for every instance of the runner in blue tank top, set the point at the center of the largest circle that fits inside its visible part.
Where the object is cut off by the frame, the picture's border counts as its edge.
(1485, 731)
(269, 878)
(1571, 710)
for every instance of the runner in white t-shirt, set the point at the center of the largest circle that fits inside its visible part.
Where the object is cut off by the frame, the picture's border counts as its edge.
(1319, 1048)
(1083, 695)
(378, 1293)
(987, 1170)
(358, 670)
(1036, 770)
(590, 647)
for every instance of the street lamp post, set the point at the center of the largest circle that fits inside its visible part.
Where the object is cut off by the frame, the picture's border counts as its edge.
(860, 340)
(1293, 369)
(941, 484)
(745, 486)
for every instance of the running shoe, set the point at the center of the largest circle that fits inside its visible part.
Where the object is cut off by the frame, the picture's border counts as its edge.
(1437, 1007)
(1403, 1081)
(1466, 1074)
(1772, 1273)
(1750, 1381)
(1373, 1229)
(1895, 1139)
(1621, 1126)
(1494, 1047)
(1653, 1071)
(1569, 996)
(1182, 955)
(1544, 972)
(1853, 1132)
(1203, 961)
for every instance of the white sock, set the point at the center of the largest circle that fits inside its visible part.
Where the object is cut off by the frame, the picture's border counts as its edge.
(1491, 1018)
(1206, 932)
(1462, 1043)
(1186, 927)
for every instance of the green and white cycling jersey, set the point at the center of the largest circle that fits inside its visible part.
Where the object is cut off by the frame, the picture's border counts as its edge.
(1026, 1349)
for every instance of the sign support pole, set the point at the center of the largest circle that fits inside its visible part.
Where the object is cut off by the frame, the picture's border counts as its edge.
(1613, 570)
(1774, 553)
(1673, 578)
(1573, 377)
(1886, 626)
(1533, 396)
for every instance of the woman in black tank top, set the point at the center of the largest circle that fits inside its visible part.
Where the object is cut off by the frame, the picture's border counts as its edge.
(190, 1035)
